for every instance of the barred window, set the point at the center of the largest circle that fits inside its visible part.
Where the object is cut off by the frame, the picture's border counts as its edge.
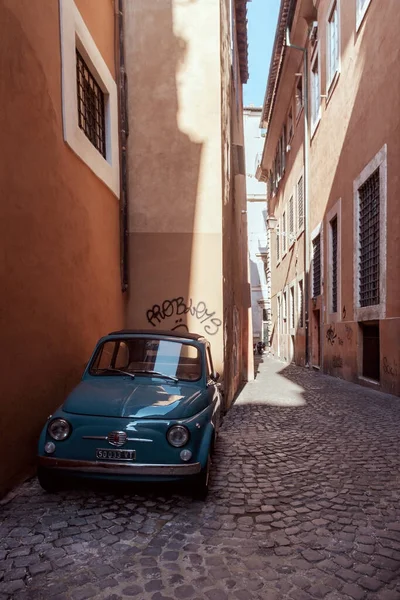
(317, 266)
(90, 106)
(278, 243)
(300, 203)
(369, 201)
(334, 240)
(301, 304)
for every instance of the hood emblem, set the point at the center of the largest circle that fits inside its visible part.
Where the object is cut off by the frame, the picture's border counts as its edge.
(116, 438)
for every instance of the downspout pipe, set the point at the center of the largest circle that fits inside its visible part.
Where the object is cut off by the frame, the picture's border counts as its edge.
(306, 195)
(123, 137)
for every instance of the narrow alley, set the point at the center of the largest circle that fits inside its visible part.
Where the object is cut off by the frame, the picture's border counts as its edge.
(304, 503)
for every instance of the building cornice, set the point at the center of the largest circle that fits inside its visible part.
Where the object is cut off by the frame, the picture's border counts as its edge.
(241, 34)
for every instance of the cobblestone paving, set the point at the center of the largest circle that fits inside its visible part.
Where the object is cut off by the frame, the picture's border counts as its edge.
(304, 505)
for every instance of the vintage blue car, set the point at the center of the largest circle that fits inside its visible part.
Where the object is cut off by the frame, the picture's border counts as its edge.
(148, 408)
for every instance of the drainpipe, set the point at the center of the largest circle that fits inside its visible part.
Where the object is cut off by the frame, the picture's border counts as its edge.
(123, 136)
(306, 195)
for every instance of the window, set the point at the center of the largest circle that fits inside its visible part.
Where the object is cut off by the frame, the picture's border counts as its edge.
(284, 233)
(300, 204)
(334, 263)
(299, 95)
(301, 304)
(291, 221)
(369, 241)
(89, 99)
(370, 235)
(315, 92)
(90, 106)
(278, 255)
(284, 311)
(333, 44)
(317, 266)
(264, 314)
(362, 7)
(292, 308)
(290, 125)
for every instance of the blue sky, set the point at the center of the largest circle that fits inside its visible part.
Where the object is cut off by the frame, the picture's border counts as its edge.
(262, 16)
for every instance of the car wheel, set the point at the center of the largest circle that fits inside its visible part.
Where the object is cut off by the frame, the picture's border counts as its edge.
(47, 480)
(201, 485)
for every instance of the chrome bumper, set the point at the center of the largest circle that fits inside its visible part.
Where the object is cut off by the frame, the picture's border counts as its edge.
(117, 468)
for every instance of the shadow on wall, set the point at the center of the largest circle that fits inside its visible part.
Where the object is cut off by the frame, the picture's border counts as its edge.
(164, 165)
(59, 266)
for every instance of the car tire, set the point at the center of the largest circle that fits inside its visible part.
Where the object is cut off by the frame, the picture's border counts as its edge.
(201, 485)
(48, 481)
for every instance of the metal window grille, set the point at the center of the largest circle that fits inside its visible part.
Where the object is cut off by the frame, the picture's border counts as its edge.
(317, 266)
(300, 203)
(334, 230)
(301, 304)
(291, 216)
(292, 307)
(369, 241)
(277, 243)
(90, 106)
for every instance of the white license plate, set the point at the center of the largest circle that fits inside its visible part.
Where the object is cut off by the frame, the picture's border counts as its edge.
(105, 454)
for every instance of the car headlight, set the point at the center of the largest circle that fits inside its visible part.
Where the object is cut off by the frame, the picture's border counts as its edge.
(59, 429)
(178, 435)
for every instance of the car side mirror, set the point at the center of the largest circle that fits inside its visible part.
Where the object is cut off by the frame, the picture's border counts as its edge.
(215, 376)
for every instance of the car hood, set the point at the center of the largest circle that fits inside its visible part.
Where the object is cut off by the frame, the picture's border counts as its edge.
(117, 397)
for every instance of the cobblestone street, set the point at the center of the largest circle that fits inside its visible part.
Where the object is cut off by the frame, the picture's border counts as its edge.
(304, 503)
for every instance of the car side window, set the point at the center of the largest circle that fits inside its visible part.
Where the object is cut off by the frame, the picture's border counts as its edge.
(210, 368)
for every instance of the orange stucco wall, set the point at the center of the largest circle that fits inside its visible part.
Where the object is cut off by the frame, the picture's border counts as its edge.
(59, 231)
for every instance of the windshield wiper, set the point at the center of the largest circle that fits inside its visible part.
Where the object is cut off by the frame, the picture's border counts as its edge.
(110, 369)
(172, 377)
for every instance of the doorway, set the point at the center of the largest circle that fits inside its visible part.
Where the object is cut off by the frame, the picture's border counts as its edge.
(316, 339)
(370, 351)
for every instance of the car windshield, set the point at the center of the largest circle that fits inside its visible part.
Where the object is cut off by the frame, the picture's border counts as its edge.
(167, 359)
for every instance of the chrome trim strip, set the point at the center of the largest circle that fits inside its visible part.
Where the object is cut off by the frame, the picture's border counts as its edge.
(105, 437)
(117, 468)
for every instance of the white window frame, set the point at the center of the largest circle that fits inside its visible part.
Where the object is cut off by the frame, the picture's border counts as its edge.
(332, 75)
(315, 111)
(300, 230)
(284, 233)
(292, 308)
(361, 10)
(300, 279)
(319, 230)
(299, 78)
(336, 211)
(278, 242)
(285, 310)
(76, 36)
(377, 311)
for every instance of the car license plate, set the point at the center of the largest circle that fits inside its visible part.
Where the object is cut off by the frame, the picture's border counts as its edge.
(105, 454)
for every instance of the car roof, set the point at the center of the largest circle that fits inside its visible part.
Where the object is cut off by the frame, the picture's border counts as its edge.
(160, 333)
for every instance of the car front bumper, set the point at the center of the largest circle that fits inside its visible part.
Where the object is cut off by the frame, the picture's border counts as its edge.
(118, 468)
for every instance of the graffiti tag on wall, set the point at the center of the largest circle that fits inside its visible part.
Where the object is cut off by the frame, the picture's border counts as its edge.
(388, 368)
(337, 362)
(176, 309)
(330, 335)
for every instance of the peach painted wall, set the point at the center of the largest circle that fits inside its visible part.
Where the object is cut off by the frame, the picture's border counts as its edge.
(59, 231)
(358, 117)
(176, 169)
